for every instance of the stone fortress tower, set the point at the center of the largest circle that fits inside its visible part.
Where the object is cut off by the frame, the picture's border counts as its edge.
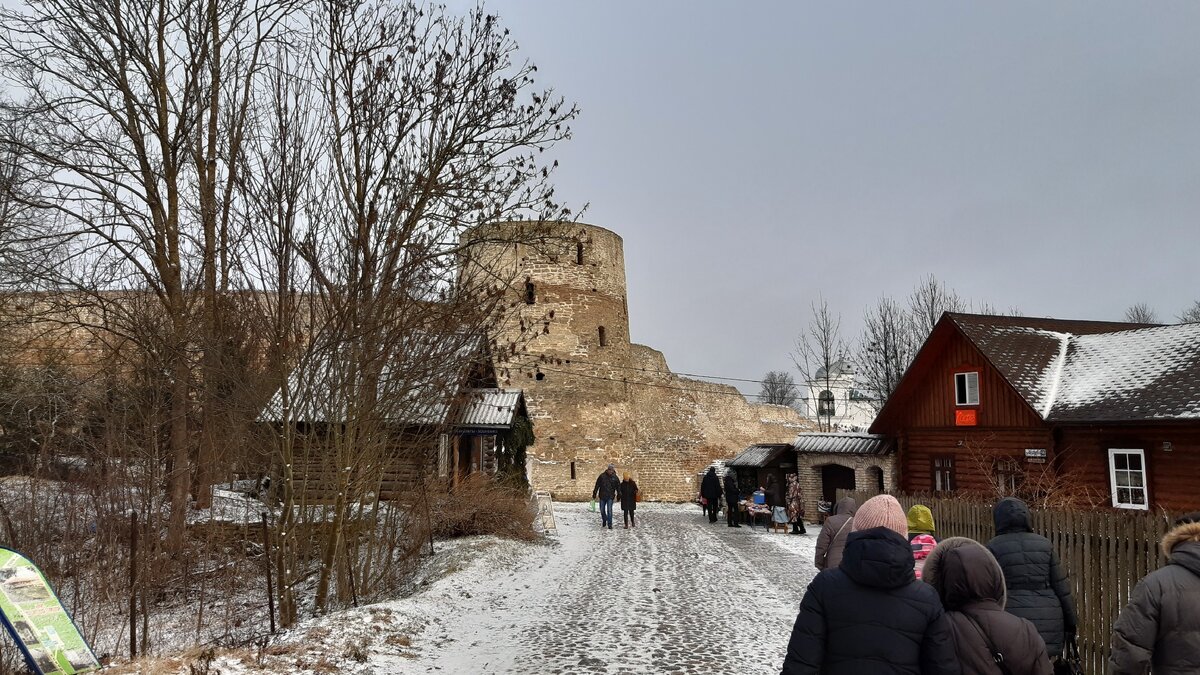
(594, 396)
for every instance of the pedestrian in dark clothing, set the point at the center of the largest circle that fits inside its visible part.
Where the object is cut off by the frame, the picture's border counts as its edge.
(870, 614)
(1037, 585)
(795, 504)
(710, 490)
(607, 485)
(732, 497)
(971, 585)
(777, 503)
(629, 494)
(833, 535)
(1159, 631)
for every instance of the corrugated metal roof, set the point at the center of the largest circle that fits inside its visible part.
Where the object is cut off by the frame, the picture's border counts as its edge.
(490, 408)
(759, 455)
(843, 444)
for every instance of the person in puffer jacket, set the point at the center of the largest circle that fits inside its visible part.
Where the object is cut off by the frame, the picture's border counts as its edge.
(870, 615)
(969, 582)
(1037, 585)
(920, 535)
(1159, 631)
(834, 532)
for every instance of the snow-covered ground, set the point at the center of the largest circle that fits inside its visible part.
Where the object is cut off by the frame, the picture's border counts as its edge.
(674, 595)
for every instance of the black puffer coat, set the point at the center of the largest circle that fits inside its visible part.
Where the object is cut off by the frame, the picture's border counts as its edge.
(731, 488)
(969, 581)
(1160, 629)
(628, 491)
(871, 615)
(774, 492)
(710, 487)
(1037, 585)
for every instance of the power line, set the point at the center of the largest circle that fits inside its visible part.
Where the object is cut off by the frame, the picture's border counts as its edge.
(663, 372)
(647, 384)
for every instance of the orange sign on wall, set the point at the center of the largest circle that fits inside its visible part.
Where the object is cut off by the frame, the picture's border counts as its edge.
(965, 418)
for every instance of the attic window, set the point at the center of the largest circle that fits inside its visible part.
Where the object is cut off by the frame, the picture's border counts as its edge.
(603, 337)
(579, 253)
(966, 388)
(530, 292)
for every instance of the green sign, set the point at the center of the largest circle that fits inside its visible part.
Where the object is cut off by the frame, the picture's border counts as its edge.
(38, 622)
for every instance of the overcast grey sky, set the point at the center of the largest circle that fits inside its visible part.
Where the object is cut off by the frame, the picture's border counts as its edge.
(1044, 156)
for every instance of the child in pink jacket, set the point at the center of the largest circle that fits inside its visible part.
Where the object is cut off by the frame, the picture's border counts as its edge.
(920, 535)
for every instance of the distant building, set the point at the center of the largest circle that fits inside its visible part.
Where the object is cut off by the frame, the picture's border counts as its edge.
(837, 399)
(1109, 412)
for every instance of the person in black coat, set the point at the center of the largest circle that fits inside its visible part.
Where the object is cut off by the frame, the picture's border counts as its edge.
(628, 491)
(732, 497)
(870, 614)
(710, 490)
(1038, 589)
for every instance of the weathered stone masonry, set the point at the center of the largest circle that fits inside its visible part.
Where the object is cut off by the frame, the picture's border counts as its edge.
(594, 396)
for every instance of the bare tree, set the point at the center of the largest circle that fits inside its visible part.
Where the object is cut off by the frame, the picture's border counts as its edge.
(778, 388)
(820, 356)
(1141, 313)
(1191, 314)
(887, 346)
(928, 301)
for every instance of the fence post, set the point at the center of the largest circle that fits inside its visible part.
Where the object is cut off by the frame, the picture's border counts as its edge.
(267, 564)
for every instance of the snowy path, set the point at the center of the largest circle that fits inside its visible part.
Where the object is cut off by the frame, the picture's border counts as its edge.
(674, 595)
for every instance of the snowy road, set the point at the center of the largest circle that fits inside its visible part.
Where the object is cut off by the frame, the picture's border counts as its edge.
(674, 595)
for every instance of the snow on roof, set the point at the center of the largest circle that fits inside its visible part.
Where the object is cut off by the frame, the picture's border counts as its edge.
(1145, 374)
(489, 408)
(1135, 373)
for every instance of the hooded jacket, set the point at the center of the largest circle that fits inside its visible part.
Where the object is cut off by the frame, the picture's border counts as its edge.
(1160, 628)
(731, 488)
(871, 615)
(970, 584)
(833, 535)
(1037, 585)
(710, 487)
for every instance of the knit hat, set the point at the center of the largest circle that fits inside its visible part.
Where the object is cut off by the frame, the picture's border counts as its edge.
(920, 520)
(881, 511)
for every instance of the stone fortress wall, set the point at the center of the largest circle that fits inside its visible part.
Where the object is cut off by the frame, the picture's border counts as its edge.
(594, 396)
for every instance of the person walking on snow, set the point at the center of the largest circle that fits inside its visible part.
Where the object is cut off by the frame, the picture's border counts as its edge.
(920, 535)
(1159, 631)
(606, 488)
(970, 583)
(629, 490)
(795, 504)
(833, 535)
(732, 497)
(710, 490)
(1037, 585)
(870, 614)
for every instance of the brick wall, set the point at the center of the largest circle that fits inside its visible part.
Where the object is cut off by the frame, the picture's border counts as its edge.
(809, 466)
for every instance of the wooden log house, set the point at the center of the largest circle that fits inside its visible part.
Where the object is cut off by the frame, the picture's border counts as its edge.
(1113, 409)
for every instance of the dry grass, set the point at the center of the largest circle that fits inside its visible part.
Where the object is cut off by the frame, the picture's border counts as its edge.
(478, 506)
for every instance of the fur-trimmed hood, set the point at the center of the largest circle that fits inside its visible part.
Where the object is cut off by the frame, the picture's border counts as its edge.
(1182, 546)
(964, 572)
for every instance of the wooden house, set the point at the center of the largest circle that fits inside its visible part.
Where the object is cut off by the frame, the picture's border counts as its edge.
(1109, 411)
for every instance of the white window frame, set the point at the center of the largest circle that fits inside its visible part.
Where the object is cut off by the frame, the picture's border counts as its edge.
(967, 388)
(1112, 479)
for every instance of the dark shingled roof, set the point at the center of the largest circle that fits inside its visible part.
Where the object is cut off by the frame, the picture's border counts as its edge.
(759, 455)
(843, 444)
(1091, 371)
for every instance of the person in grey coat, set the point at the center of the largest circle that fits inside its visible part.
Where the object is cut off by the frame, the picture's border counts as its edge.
(832, 539)
(969, 582)
(1159, 631)
(1037, 584)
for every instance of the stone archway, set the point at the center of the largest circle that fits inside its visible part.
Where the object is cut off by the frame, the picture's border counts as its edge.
(836, 477)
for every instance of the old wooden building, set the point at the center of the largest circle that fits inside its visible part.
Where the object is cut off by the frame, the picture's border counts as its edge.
(1107, 412)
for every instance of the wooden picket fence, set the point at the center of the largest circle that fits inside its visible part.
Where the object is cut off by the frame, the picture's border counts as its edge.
(1106, 552)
